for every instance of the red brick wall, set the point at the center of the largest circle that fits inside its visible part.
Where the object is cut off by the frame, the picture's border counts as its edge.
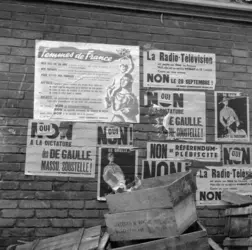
(31, 206)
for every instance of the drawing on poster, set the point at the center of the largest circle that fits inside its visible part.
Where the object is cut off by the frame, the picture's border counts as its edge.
(86, 82)
(231, 116)
(116, 169)
(68, 149)
(177, 114)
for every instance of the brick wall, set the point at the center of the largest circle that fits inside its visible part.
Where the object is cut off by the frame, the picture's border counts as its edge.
(32, 206)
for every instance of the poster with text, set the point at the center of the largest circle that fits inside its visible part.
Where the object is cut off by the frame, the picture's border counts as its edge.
(115, 165)
(61, 148)
(86, 82)
(173, 69)
(231, 117)
(183, 151)
(177, 114)
(155, 168)
(111, 135)
(213, 181)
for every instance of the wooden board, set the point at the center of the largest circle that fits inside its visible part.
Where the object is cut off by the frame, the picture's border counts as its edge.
(160, 192)
(83, 239)
(237, 244)
(235, 198)
(238, 222)
(213, 245)
(145, 224)
(195, 239)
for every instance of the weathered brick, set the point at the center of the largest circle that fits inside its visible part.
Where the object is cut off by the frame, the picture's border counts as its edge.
(22, 68)
(208, 213)
(34, 204)
(66, 195)
(67, 222)
(58, 37)
(12, 59)
(51, 213)
(5, 50)
(8, 204)
(5, 185)
(17, 195)
(233, 68)
(94, 222)
(28, 17)
(67, 204)
(240, 53)
(36, 186)
(22, 51)
(7, 222)
(12, 42)
(94, 204)
(76, 30)
(61, 186)
(84, 213)
(47, 232)
(9, 232)
(16, 213)
(27, 34)
(33, 223)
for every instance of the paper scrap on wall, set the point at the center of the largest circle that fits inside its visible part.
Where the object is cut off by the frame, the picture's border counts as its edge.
(86, 82)
(231, 117)
(173, 69)
(177, 114)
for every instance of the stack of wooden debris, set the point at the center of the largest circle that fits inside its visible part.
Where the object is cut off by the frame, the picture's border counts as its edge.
(160, 215)
(238, 226)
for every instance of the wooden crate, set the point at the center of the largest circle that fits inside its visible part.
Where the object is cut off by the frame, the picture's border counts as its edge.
(152, 223)
(195, 238)
(159, 192)
(237, 244)
(238, 222)
(83, 239)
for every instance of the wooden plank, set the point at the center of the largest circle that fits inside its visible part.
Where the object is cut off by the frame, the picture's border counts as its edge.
(196, 240)
(89, 241)
(214, 245)
(185, 213)
(235, 198)
(238, 211)
(103, 242)
(165, 192)
(145, 224)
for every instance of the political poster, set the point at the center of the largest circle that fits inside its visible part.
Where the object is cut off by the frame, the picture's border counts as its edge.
(183, 151)
(155, 168)
(231, 117)
(177, 69)
(59, 148)
(116, 165)
(213, 181)
(86, 82)
(177, 114)
(110, 134)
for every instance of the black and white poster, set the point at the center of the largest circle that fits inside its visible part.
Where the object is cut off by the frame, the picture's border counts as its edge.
(117, 168)
(231, 117)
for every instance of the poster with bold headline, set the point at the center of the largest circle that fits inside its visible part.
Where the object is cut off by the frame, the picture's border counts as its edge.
(177, 114)
(115, 164)
(183, 151)
(231, 117)
(173, 69)
(119, 135)
(57, 148)
(86, 82)
(154, 168)
(213, 181)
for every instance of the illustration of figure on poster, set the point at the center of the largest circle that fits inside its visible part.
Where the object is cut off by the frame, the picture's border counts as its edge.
(232, 116)
(116, 170)
(121, 99)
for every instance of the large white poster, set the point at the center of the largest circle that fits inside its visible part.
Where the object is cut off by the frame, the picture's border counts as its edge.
(183, 151)
(86, 82)
(173, 69)
(59, 148)
(231, 117)
(177, 114)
